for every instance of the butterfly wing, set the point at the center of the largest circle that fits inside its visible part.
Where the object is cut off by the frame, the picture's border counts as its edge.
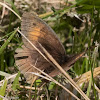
(37, 31)
(69, 61)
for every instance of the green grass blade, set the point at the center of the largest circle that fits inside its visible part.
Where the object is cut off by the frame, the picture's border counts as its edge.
(3, 89)
(15, 84)
(89, 87)
(13, 6)
(7, 42)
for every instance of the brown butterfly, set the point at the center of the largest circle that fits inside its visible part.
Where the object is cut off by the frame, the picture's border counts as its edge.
(37, 31)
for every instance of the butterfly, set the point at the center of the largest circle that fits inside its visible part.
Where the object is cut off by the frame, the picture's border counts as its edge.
(37, 31)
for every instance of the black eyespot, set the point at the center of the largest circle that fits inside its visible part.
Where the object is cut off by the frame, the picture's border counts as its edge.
(34, 24)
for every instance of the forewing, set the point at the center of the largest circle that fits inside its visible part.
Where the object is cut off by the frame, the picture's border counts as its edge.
(37, 31)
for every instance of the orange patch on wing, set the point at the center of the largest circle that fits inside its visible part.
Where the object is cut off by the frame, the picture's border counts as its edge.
(35, 34)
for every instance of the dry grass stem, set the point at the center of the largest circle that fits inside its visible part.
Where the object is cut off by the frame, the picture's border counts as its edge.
(84, 78)
(4, 5)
